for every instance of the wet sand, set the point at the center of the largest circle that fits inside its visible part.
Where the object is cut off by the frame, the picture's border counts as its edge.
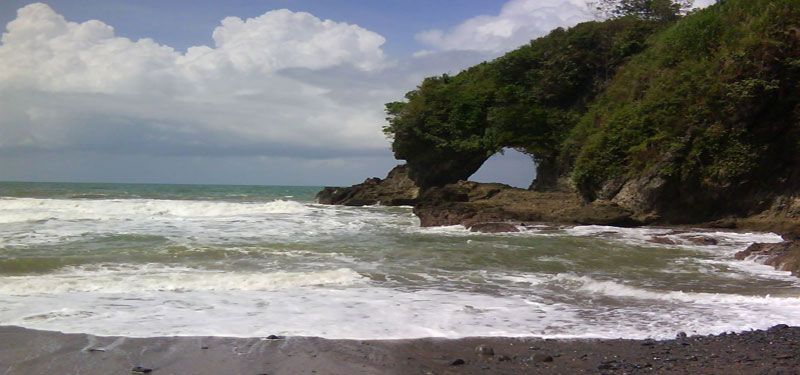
(28, 352)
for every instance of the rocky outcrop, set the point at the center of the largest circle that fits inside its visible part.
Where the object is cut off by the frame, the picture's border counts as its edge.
(783, 255)
(396, 189)
(475, 205)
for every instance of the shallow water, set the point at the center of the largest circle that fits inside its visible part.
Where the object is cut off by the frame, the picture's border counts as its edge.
(153, 260)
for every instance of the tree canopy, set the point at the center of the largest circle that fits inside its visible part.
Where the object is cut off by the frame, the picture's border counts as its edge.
(652, 10)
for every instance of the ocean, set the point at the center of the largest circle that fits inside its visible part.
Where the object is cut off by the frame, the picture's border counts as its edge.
(174, 260)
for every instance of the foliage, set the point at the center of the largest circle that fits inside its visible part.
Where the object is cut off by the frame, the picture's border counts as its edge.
(709, 103)
(652, 10)
(528, 99)
(713, 103)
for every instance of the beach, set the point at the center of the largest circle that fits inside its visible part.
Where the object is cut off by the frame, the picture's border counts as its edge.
(775, 351)
(102, 278)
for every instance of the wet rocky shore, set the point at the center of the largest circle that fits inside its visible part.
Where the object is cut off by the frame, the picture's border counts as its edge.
(775, 351)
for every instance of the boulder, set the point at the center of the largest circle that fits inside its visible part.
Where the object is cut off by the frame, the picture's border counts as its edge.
(396, 189)
(784, 256)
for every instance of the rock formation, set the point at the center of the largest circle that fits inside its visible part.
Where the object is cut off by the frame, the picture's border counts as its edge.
(395, 190)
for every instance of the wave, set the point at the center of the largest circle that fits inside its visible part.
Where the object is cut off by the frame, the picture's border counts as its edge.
(592, 286)
(33, 209)
(157, 278)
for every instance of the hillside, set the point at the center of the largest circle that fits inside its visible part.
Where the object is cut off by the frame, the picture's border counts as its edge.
(691, 121)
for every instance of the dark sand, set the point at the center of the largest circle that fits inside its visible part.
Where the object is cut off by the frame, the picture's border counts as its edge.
(30, 352)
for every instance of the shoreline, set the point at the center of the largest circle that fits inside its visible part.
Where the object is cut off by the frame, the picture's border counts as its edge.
(28, 351)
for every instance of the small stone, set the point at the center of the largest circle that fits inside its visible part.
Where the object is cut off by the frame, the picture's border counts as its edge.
(91, 350)
(484, 350)
(203, 347)
(274, 337)
(606, 366)
(143, 370)
(681, 335)
(778, 328)
(457, 362)
(503, 358)
(541, 358)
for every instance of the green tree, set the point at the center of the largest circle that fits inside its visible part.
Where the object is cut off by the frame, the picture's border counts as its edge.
(650, 10)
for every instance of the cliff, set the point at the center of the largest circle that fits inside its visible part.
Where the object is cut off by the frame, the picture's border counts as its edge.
(629, 121)
(692, 122)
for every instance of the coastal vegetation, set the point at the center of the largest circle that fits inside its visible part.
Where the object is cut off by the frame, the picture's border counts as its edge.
(680, 119)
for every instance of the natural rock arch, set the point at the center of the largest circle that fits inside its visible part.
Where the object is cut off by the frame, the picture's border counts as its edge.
(509, 166)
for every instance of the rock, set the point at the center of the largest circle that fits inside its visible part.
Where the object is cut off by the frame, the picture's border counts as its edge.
(484, 350)
(471, 203)
(457, 362)
(777, 328)
(681, 335)
(784, 256)
(395, 190)
(702, 240)
(143, 370)
(541, 358)
(493, 228)
(662, 240)
(274, 337)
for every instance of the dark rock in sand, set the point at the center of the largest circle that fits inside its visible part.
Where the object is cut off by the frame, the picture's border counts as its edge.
(457, 362)
(784, 256)
(143, 370)
(484, 350)
(395, 190)
(541, 358)
(274, 337)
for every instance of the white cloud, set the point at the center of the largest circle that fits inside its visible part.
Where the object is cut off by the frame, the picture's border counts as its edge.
(519, 21)
(67, 85)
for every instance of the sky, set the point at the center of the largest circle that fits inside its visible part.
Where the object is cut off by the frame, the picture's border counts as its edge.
(268, 92)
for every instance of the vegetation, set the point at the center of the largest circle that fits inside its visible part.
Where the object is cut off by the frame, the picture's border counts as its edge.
(710, 103)
(653, 10)
(528, 99)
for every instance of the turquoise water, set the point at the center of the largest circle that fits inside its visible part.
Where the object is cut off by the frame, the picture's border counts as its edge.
(151, 260)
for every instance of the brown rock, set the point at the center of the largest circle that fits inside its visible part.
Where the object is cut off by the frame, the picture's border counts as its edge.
(395, 190)
(784, 256)
(493, 228)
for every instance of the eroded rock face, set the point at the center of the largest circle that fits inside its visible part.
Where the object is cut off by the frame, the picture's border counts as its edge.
(430, 169)
(784, 256)
(396, 189)
(483, 206)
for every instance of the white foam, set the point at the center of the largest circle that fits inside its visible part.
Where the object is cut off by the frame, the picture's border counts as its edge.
(615, 289)
(30, 221)
(30, 209)
(153, 277)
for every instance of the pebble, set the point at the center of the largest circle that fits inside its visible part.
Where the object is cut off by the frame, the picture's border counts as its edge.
(484, 350)
(541, 358)
(457, 362)
(143, 370)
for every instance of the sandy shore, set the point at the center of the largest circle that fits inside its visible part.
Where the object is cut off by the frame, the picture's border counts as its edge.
(28, 352)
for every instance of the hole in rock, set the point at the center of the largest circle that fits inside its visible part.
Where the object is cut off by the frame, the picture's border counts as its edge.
(509, 167)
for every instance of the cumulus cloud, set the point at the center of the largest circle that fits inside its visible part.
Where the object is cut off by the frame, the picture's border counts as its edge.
(519, 21)
(67, 85)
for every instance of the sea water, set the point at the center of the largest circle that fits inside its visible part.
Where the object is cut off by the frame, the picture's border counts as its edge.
(164, 260)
